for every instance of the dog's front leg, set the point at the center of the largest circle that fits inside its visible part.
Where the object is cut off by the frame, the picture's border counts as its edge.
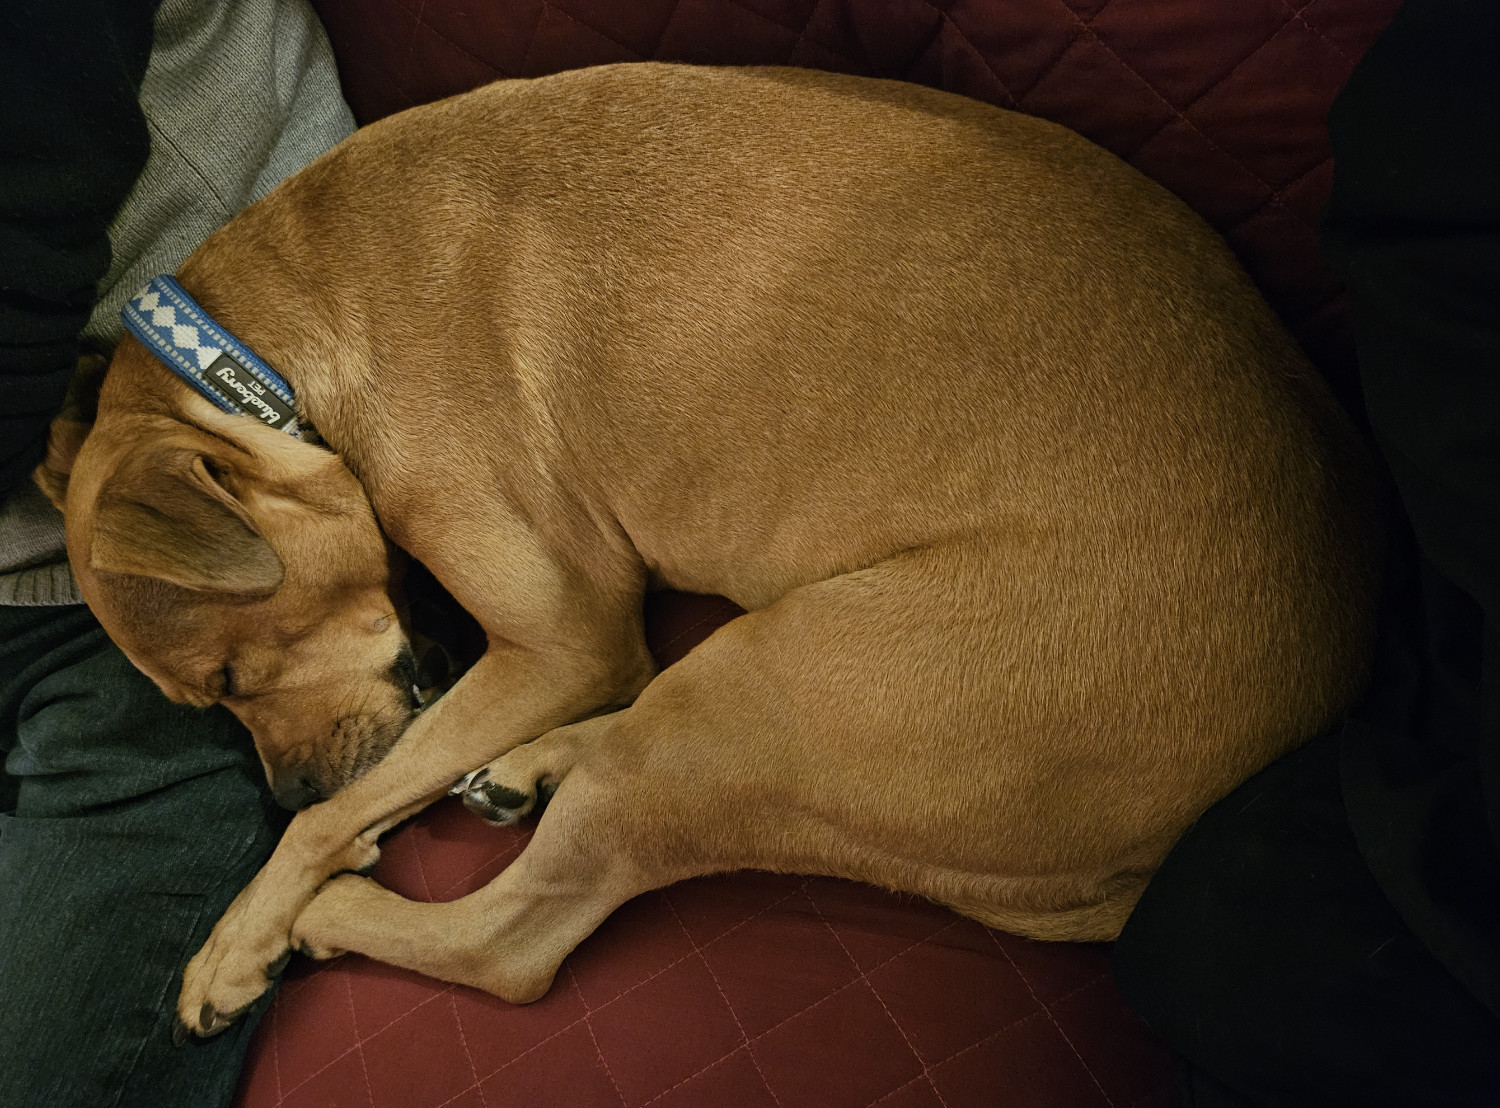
(510, 696)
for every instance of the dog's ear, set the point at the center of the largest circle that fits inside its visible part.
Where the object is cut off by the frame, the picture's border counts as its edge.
(165, 515)
(71, 427)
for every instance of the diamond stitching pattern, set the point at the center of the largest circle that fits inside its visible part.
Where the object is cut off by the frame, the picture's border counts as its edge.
(594, 1039)
(865, 979)
(744, 1037)
(1301, 17)
(359, 1045)
(1064, 1012)
(1052, 1019)
(359, 975)
(1182, 113)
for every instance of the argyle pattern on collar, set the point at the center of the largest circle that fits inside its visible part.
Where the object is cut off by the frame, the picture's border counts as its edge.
(189, 342)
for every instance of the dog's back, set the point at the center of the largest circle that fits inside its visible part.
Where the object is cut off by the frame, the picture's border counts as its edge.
(969, 311)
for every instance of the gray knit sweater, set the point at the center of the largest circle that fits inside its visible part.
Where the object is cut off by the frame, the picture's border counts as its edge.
(239, 94)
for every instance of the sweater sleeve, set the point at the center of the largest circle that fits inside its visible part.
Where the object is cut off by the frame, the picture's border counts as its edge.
(72, 142)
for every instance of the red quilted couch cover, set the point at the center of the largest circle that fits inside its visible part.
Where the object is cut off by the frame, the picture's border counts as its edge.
(753, 989)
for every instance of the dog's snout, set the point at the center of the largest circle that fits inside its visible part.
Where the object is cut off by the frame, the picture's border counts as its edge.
(294, 789)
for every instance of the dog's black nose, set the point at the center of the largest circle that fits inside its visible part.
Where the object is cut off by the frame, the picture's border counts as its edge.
(403, 674)
(294, 790)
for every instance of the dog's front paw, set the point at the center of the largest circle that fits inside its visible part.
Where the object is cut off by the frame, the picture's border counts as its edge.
(232, 971)
(495, 803)
(513, 786)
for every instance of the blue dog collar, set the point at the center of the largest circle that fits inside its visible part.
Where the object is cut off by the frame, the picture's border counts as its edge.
(187, 341)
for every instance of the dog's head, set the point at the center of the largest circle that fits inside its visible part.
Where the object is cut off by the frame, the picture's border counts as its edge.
(236, 565)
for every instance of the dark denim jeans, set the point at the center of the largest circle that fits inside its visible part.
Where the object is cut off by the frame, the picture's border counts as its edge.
(129, 823)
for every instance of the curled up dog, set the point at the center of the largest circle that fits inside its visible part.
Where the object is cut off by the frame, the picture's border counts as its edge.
(1047, 533)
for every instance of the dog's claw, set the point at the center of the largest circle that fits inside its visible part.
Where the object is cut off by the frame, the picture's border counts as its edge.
(180, 1032)
(469, 780)
(211, 1021)
(274, 970)
(497, 804)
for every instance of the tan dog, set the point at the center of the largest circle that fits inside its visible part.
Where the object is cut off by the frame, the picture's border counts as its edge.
(1048, 534)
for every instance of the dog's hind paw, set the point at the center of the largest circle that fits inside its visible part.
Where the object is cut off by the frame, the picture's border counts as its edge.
(319, 953)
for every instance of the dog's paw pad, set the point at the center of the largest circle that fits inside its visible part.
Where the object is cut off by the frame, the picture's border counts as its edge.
(498, 804)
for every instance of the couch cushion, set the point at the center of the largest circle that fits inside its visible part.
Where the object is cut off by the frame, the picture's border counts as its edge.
(720, 993)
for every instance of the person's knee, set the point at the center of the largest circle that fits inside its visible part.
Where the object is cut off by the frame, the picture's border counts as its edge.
(1176, 961)
(1219, 943)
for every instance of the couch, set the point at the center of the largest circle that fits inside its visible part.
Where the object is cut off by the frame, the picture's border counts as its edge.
(755, 989)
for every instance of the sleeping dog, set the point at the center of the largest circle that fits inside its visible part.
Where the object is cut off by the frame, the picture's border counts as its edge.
(1047, 533)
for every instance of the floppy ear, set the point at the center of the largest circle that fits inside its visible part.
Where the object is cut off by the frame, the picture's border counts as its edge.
(165, 516)
(71, 427)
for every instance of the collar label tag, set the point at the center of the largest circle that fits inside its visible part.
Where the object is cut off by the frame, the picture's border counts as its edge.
(241, 389)
(190, 342)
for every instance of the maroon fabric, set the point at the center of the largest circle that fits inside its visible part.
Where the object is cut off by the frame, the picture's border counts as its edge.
(717, 993)
(753, 989)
